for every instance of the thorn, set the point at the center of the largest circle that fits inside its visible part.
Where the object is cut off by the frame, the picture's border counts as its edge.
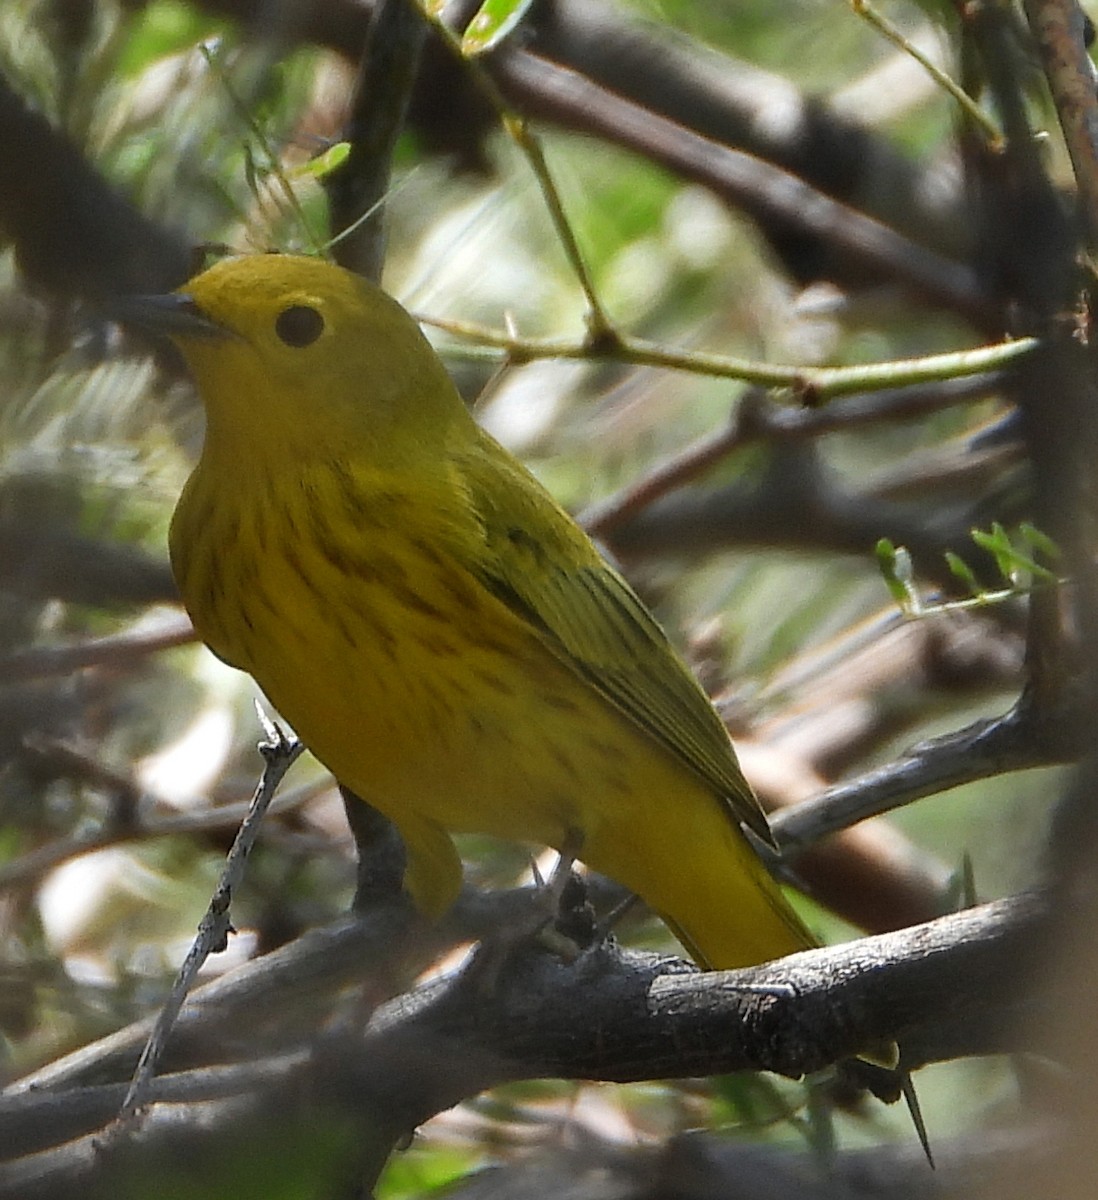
(272, 734)
(907, 1088)
(606, 926)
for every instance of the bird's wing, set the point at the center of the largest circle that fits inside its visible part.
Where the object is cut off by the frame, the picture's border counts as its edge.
(546, 571)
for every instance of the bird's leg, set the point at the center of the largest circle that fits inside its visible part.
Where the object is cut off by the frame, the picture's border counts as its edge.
(569, 922)
(555, 920)
(380, 851)
(567, 852)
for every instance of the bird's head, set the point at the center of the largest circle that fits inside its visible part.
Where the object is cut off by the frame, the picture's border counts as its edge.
(296, 345)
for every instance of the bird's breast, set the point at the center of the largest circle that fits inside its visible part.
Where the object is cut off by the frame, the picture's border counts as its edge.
(411, 682)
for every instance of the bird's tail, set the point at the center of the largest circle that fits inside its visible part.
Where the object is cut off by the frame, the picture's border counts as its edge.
(707, 883)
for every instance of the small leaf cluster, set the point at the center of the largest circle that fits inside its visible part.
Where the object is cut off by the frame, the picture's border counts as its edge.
(1015, 554)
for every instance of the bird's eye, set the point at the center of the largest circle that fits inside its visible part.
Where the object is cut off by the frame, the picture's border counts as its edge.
(299, 325)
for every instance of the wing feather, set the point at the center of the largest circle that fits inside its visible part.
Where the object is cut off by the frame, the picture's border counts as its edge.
(546, 571)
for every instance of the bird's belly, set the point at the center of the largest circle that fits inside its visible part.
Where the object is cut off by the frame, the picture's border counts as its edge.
(432, 699)
(473, 739)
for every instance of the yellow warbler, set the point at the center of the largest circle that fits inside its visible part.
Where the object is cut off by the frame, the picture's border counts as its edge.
(438, 631)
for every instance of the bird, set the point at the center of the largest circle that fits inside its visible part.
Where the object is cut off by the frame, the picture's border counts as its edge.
(436, 628)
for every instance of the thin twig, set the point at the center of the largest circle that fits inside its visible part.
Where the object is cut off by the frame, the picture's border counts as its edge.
(1014, 742)
(32, 865)
(279, 753)
(766, 192)
(814, 384)
(599, 326)
(600, 329)
(111, 650)
(969, 106)
(250, 123)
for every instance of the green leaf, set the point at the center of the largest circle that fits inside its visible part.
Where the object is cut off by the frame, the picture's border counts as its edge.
(960, 890)
(423, 1170)
(324, 163)
(1014, 564)
(493, 22)
(899, 576)
(1039, 541)
(997, 544)
(755, 1101)
(962, 571)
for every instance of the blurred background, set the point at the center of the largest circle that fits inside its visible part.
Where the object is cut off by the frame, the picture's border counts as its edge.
(747, 519)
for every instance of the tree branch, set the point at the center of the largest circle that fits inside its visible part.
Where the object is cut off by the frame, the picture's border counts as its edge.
(766, 192)
(956, 985)
(356, 189)
(1017, 741)
(74, 235)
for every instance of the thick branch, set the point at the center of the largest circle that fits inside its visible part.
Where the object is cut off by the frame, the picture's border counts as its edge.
(696, 114)
(956, 983)
(74, 235)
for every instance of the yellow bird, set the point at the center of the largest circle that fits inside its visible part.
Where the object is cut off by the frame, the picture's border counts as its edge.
(439, 632)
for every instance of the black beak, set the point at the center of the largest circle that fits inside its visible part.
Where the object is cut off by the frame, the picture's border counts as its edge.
(176, 315)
